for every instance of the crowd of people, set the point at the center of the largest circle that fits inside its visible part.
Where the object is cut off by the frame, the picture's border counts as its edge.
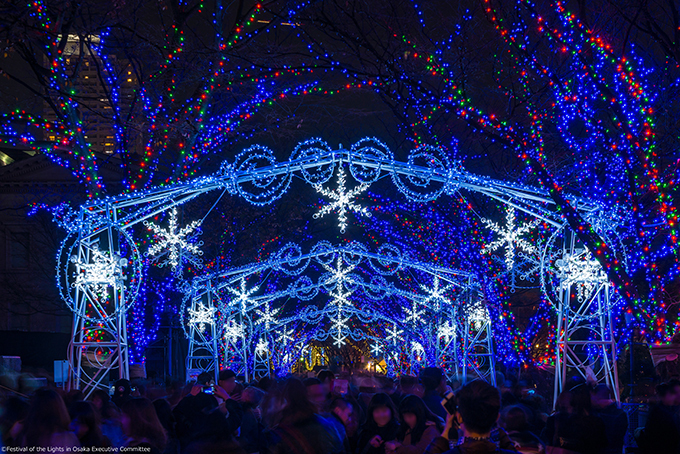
(326, 414)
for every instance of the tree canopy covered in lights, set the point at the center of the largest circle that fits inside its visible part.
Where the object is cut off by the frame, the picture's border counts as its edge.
(533, 93)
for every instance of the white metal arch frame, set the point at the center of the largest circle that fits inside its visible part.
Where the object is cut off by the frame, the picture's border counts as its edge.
(258, 177)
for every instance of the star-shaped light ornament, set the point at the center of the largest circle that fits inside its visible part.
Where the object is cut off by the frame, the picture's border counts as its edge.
(418, 350)
(339, 328)
(342, 200)
(510, 237)
(414, 313)
(202, 316)
(285, 336)
(376, 349)
(262, 346)
(339, 275)
(172, 247)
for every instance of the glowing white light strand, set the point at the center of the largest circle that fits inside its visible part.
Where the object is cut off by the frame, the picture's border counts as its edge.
(342, 200)
(176, 245)
(510, 237)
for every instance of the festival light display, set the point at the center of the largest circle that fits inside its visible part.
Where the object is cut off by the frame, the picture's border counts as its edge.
(616, 163)
(404, 300)
(593, 78)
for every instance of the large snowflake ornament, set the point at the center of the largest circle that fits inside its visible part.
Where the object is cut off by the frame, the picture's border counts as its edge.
(262, 346)
(342, 200)
(510, 237)
(580, 269)
(266, 316)
(447, 331)
(102, 270)
(202, 316)
(175, 246)
(478, 314)
(435, 296)
(341, 278)
(394, 334)
(338, 329)
(414, 314)
(242, 296)
(285, 336)
(233, 331)
(417, 350)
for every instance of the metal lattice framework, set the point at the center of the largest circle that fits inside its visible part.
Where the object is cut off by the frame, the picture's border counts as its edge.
(318, 294)
(99, 303)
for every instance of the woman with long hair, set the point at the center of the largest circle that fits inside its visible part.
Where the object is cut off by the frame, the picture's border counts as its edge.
(47, 423)
(86, 425)
(419, 426)
(382, 425)
(142, 426)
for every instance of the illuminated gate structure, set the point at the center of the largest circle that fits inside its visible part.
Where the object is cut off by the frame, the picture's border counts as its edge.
(339, 291)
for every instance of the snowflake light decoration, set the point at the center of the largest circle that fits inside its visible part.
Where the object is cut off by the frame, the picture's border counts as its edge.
(285, 336)
(417, 350)
(338, 329)
(478, 314)
(176, 246)
(524, 272)
(414, 314)
(435, 295)
(242, 296)
(376, 349)
(102, 270)
(447, 331)
(342, 200)
(339, 276)
(233, 331)
(262, 346)
(266, 316)
(582, 270)
(202, 316)
(510, 237)
(394, 335)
